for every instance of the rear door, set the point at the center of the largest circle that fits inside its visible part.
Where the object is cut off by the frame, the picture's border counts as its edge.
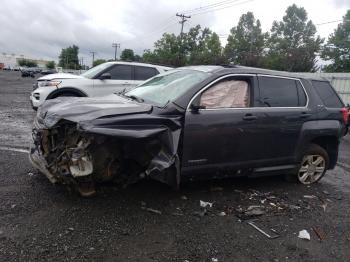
(121, 78)
(143, 73)
(283, 108)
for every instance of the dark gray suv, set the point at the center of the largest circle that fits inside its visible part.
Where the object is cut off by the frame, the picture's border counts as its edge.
(193, 122)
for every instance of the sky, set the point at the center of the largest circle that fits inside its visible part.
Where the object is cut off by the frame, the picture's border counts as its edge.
(41, 28)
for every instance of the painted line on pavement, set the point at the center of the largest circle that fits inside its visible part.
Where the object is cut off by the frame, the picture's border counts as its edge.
(14, 149)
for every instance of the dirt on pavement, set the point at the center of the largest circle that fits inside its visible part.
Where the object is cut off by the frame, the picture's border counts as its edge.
(149, 221)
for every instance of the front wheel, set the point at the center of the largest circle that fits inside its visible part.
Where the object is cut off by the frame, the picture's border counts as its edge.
(313, 166)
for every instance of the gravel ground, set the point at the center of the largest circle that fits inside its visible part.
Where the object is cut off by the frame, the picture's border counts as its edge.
(149, 221)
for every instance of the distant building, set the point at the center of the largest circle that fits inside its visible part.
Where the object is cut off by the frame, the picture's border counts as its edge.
(11, 60)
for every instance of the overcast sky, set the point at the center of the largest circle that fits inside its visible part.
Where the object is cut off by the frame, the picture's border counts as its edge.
(41, 28)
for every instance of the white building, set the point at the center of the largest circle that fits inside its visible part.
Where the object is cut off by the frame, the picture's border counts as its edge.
(11, 60)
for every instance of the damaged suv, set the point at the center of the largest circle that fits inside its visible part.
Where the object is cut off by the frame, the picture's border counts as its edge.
(193, 122)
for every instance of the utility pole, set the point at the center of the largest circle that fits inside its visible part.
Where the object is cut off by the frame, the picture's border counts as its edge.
(182, 22)
(116, 46)
(93, 57)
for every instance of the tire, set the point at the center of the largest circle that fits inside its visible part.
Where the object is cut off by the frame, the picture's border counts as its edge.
(313, 166)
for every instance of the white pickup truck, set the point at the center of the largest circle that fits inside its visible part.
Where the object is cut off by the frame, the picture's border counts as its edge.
(101, 80)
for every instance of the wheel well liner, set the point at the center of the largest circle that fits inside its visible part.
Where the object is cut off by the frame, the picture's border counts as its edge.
(71, 90)
(330, 144)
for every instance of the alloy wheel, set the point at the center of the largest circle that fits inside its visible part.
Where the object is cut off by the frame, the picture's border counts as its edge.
(312, 169)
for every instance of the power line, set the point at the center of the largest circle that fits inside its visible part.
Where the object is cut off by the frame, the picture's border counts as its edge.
(329, 22)
(208, 6)
(225, 7)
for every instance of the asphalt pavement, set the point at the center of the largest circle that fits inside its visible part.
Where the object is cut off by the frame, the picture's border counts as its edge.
(149, 221)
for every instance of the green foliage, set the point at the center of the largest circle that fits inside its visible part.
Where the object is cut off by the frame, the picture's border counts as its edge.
(69, 57)
(337, 48)
(202, 47)
(246, 42)
(137, 58)
(127, 55)
(196, 47)
(293, 43)
(99, 61)
(50, 65)
(27, 63)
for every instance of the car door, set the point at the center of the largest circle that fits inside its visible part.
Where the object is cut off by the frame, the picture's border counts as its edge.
(283, 110)
(143, 73)
(121, 77)
(219, 129)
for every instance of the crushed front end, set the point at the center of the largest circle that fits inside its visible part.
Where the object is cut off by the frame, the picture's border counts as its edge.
(117, 149)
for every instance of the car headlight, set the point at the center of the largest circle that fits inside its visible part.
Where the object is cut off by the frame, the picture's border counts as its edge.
(49, 83)
(51, 120)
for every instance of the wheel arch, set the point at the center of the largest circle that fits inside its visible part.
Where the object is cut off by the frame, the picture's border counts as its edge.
(71, 90)
(331, 145)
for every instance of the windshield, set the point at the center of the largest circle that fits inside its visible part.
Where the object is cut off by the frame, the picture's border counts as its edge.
(168, 86)
(95, 70)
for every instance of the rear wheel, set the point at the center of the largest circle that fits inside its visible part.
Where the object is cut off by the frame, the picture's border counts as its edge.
(313, 166)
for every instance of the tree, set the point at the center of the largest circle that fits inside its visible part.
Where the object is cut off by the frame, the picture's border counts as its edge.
(195, 47)
(137, 58)
(50, 65)
(202, 47)
(69, 57)
(246, 42)
(127, 55)
(337, 48)
(167, 51)
(99, 61)
(293, 44)
(27, 63)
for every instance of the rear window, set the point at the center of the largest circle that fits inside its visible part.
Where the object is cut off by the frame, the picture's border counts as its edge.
(281, 92)
(328, 95)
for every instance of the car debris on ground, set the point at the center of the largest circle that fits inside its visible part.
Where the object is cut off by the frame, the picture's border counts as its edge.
(304, 234)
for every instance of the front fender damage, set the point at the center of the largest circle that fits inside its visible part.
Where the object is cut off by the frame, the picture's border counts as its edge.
(122, 149)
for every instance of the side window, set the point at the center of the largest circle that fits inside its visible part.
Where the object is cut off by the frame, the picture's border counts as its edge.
(226, 94)
(328, 95)
(121, 72)
(143, 72)
(278, 92)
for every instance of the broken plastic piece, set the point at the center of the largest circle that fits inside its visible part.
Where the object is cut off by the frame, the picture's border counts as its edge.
(303, 234)
(205, 204)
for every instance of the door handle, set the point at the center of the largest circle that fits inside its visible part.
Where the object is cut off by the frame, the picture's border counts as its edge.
(250, 117)
(126, 83)
(305, 115)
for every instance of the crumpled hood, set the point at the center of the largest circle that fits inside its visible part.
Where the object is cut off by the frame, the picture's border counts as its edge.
(84, 109)
(59, 76)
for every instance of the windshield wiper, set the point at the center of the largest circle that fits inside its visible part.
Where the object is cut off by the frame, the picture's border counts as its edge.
(138, 99)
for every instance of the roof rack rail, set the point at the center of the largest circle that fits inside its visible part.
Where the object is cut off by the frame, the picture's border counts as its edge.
(141, 62)
(229, 65)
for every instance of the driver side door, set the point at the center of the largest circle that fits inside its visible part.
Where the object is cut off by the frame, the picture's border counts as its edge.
(121, 77)
(217, 133)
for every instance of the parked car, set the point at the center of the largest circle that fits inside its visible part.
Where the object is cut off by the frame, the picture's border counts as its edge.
(27, 72)
(101, 80)
(193, 122)
(48, 71)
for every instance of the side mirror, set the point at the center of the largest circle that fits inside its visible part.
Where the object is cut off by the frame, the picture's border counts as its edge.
(105, 76)
(196, 107)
